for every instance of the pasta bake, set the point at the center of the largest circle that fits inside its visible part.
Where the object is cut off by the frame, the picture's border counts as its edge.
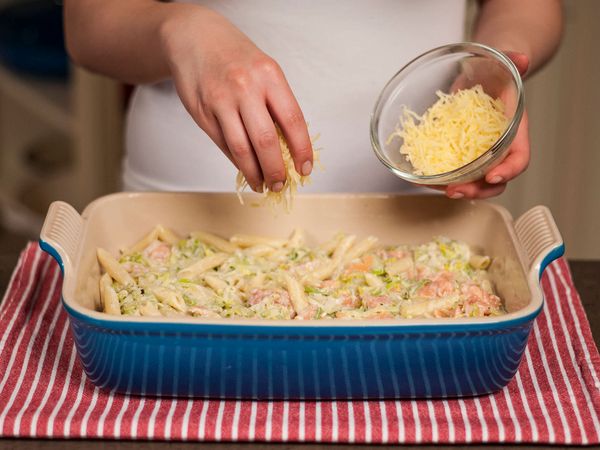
(205, 275)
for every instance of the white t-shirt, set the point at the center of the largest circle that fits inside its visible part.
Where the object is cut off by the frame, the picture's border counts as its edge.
(336, 55)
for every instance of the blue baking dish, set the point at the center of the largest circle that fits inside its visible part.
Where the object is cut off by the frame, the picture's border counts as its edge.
(326, 359)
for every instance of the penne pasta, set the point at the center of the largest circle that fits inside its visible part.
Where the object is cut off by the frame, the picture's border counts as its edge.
(297, 238)
(246, 240)
(144, 242)
(362, 315)
(330, 246)
(168, 236)
(342, 248)
(425, 307)
(207, 263)
(200, 293)
(260, 250)
(296, 293)
(479, 262)
(336, 262)
(360, 248)
(215, 283)
(170, 298)
(324, 271)
(149, 309)
(256, 281)
(108, 296)
(215, 241)
(113, 268)
(373, 280)
(399, 266)
(158, 233)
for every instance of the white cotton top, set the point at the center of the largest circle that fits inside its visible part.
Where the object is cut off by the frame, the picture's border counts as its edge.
(336, 55)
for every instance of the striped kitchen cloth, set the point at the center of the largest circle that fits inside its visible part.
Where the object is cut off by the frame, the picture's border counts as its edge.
(554, 398)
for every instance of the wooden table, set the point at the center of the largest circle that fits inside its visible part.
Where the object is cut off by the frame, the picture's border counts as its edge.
(587, 279)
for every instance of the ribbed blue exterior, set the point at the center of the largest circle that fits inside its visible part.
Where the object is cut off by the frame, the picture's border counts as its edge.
(312, 362)
(299, 363)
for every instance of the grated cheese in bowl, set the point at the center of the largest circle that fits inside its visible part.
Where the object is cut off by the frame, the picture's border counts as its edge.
(464, 134)
(455, 130)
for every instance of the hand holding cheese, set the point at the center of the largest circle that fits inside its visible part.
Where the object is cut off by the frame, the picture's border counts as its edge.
(514, 164)
(294, 179)
(462, 125)
(235, 93)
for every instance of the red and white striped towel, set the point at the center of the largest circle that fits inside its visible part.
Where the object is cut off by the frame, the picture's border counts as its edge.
(554, 398)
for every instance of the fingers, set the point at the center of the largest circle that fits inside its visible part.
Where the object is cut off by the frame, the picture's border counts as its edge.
(514, 164)
(263, 136)
(285, 110)
(520, 60)
(239, 147)
(211, 127)
(205, 119)
(459, 83)
(495, 180)
(517, 159)
(475, 189)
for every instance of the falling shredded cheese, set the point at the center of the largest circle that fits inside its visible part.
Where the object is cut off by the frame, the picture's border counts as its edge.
(284, 197)
(455, 130)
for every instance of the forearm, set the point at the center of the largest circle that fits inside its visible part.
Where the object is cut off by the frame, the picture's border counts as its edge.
(532, 27)
(122, 38)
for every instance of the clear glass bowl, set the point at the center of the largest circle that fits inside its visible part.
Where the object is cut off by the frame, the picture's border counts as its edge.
(461, 65)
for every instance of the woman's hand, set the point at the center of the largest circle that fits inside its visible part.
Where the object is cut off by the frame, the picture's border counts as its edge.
(514, 164)
(534, 27)
(235, 93)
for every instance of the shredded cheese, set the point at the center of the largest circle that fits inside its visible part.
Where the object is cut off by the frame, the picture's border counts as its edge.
(455, 130)
(286, 196)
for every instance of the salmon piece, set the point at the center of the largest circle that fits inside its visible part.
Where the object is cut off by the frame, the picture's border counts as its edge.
(307, 313)
(329, 284)
(158, 251)
(135, 270)
(277, 296)
(399, 254)
(427, 291)
(380, 315)
(485, 301)
(441, 286)
(373, 302)
(363, 266)
(350, 301)
(439, 313)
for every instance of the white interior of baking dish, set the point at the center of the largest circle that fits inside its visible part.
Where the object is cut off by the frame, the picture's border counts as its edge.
(119, 220)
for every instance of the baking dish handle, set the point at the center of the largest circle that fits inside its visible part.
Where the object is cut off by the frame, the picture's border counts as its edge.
(60, 234)
(540, 238)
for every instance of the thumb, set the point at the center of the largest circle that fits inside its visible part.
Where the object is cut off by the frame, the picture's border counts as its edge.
(521, 61)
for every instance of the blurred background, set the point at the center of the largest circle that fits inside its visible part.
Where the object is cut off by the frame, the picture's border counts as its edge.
(61, 127)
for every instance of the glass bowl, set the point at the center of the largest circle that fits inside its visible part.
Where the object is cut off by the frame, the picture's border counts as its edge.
(462, 65)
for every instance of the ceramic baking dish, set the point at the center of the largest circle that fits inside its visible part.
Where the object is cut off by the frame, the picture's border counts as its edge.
(333, 359)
